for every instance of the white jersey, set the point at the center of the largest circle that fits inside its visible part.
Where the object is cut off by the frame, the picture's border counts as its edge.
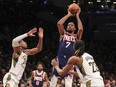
(90, 72)
(18, 69)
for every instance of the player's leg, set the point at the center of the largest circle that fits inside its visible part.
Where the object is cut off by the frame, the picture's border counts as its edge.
(68, 81)
(54, 78)
(53, 81)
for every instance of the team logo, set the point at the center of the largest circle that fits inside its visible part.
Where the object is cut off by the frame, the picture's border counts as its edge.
(9, 77)
(88, 83)
(7, 85)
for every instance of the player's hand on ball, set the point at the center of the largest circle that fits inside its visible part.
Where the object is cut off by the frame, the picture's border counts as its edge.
(70, 13)
(74, 8)
(77, 14)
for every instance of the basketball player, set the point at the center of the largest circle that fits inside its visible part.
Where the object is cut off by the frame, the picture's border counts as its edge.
(67, 39)
(39, 77)
(19, 57)
(86, 64)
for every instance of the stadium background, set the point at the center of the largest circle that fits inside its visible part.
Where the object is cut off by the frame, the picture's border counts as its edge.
(98, 18)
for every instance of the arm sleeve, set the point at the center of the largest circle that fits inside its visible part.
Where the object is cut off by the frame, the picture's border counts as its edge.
(15, 41)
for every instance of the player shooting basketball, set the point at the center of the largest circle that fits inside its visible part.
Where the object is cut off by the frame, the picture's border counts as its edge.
(67, 40)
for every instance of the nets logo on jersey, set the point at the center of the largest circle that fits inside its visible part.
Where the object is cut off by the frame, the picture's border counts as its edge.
(69, 38)
(38, 78)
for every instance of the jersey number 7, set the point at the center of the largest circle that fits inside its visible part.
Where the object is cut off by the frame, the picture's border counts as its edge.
(67, 44)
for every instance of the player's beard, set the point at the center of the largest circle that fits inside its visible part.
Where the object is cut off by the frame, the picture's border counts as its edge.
(69, 30)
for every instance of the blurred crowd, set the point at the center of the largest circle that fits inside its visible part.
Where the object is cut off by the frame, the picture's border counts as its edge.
(15, 21)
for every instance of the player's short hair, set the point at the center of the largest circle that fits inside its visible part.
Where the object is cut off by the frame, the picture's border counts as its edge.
(72, 23)
(40, 63)
(79, 45)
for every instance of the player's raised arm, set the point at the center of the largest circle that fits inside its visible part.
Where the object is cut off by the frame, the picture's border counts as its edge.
(18, 41)
(80, 26)
(61, 22)
(38, 48)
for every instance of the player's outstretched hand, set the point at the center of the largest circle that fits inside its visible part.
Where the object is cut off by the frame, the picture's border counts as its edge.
(40, 33)
(31, 32)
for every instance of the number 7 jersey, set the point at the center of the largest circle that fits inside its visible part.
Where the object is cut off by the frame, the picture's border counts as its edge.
(66, 48)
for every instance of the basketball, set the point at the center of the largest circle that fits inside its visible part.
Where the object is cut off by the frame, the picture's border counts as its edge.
(73, 8)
